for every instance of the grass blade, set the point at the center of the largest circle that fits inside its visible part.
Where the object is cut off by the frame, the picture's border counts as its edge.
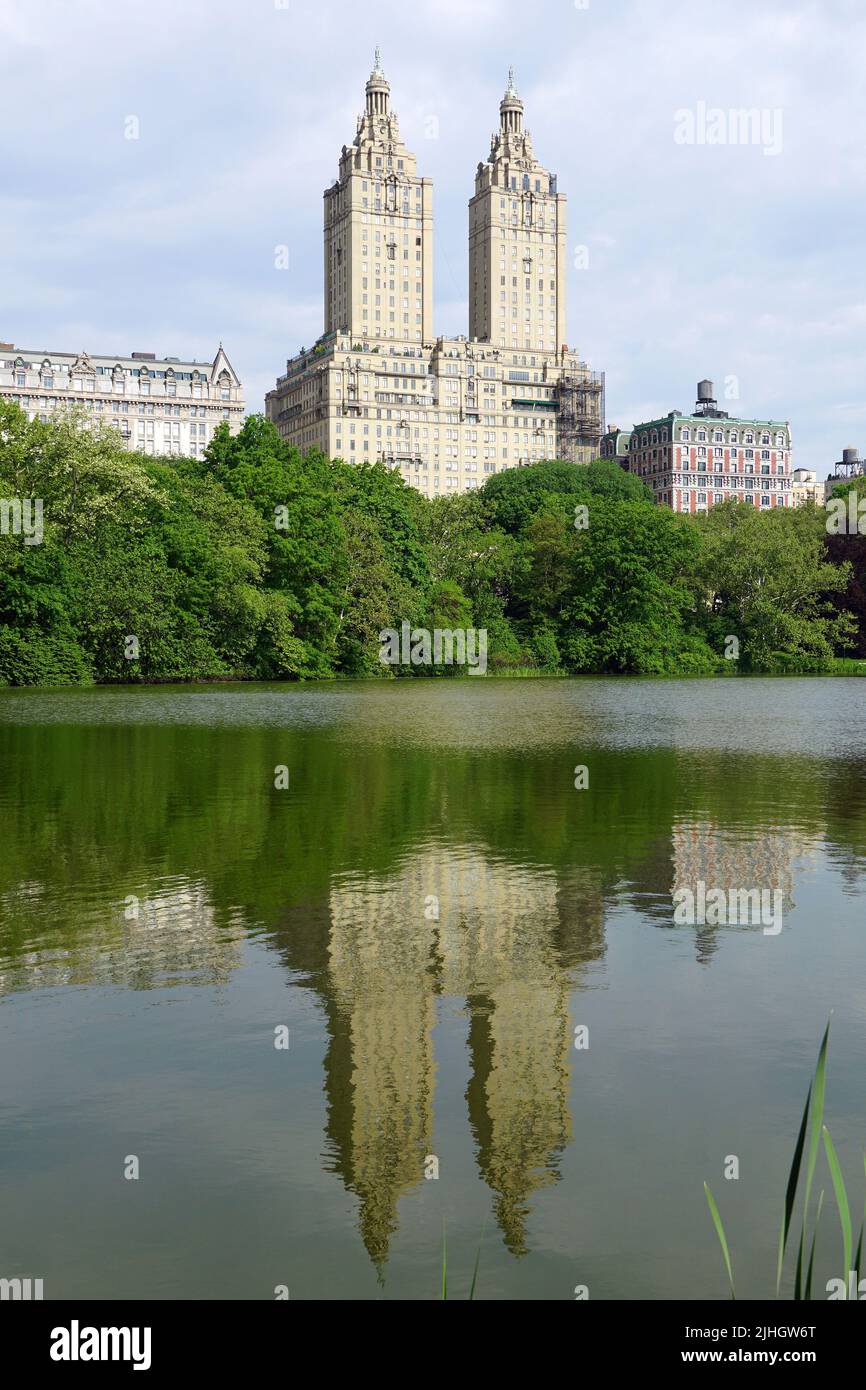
(808, 1292)
(819, 1087)
(720, 1232)
(791, 1190)
(814, 1108)
(859, 1255)
(477, 1261)
(798, 1273)
(841, 1202)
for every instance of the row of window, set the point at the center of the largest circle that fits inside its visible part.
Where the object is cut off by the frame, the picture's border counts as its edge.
(96, 407)
(701, 500)
(702, 435)
(736, 480)
(88, 384)
(663, 464)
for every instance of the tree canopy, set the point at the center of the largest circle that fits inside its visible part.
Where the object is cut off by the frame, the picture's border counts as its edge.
(259, 562)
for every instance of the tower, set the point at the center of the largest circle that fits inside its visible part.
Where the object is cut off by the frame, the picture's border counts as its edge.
(379, 232)
(517, 242)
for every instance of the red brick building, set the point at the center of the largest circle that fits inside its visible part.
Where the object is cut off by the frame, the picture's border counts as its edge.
(691, 462)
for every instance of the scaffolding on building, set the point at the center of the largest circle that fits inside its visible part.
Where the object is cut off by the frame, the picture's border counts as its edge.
(581, 415)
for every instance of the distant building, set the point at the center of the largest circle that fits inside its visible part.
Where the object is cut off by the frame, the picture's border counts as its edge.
(849, 466)
(805, 487)
(379, 385)
(158, 405)
(615, 444)
(691, 462)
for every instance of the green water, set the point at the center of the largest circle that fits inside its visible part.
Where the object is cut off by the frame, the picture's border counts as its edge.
(431, 908)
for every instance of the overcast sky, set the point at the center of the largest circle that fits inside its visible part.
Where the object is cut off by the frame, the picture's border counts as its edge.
(727, 260)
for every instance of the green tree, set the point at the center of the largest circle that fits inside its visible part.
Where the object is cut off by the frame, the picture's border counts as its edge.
(516, 495)
(764, 578)
(628, 605)
(295, 495)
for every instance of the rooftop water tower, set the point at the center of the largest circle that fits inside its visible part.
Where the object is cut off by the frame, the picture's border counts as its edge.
(850, 465)
(706, 403)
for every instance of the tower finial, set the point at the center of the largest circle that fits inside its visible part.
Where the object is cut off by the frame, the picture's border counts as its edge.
(511, 109)
(377, 90)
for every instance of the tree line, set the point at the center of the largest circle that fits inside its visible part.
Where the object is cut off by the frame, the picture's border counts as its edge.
(257, 562)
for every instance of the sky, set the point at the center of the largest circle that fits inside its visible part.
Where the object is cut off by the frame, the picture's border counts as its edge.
(697, 247)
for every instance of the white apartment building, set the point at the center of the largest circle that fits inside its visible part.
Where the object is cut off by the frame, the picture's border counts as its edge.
(158, 405)
(379, 385)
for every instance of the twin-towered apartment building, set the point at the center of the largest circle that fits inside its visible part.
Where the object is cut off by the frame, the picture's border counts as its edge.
(447, 413)
(380, 386)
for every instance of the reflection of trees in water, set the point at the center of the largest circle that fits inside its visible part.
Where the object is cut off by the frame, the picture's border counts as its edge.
(335, 875)
(846, 820)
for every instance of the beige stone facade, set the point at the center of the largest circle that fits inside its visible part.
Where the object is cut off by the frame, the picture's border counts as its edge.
(378, 385)
(379, 232)
(805, 487)
(517, 243)
(157, 405)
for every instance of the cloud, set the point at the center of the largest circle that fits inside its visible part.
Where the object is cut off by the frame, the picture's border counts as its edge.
(704, 260)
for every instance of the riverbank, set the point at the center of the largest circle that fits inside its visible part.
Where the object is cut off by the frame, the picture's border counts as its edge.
(840, 666)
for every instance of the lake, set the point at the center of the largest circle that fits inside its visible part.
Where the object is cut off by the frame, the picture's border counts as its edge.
(344, 971)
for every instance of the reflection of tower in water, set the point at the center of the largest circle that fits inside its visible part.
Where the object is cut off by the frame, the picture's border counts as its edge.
(381, 1070)
(504, 937)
